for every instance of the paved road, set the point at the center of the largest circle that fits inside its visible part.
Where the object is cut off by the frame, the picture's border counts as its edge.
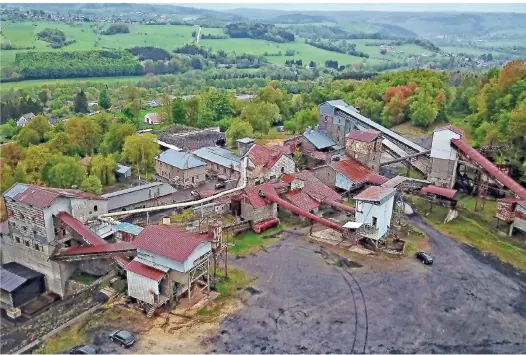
(464, 303)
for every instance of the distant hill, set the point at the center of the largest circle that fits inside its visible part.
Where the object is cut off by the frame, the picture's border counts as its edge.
(300, 18)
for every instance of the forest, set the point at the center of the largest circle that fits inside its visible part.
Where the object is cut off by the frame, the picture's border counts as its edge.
(36, 65)
(259, 31)
(341, 47)
(149, 52)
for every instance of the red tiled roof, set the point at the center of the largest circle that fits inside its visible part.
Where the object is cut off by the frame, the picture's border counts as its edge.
(169, 241)
(43, 197)
(287, 178)
(374, 193)
(252, 195)
(368, 135)
(302, 200)
(315, 154)
(4, 227)
(490, 168)
(265, 155)
(439, 191)
(317, 189)
(145, 270)
(353, 170)
(377, 179)
(451, 128)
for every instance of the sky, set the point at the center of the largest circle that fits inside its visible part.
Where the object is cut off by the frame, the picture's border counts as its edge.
(406, 7)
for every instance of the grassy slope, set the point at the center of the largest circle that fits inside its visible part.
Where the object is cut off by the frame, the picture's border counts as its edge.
(475, 229)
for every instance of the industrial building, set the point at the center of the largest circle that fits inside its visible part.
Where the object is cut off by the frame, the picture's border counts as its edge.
(142, 196)
(180, 168)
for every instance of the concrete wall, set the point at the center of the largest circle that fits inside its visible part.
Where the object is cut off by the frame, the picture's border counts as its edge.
(327, 175)
(443, 172)
(365, 211)
(141, 287)
(284, 165)
(342, 182)
(83, 209)
(441, 145)
(255, 215)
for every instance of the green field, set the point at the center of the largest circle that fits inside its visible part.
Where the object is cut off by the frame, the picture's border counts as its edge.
(104, 80)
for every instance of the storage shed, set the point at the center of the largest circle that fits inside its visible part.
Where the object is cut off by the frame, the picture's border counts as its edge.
(19, 284)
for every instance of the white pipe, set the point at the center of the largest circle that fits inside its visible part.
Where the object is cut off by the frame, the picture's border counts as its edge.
(244, 179)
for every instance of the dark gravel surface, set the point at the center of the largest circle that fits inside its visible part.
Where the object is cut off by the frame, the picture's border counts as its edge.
(464, 303)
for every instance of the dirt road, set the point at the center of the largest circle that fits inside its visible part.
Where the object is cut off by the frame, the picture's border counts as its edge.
(465, 302)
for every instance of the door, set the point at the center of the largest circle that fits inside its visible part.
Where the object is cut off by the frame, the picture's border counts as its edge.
(375, 221)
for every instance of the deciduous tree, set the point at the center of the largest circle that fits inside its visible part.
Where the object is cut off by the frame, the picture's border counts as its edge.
(238, 129)
(140, 151)
(91, 184)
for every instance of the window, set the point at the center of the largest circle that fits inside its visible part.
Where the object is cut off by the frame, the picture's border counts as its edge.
(26, 243)
(24, 227)
(37, 247)
(359, 207)
(35, 233)
(21, 215)
(95, 208)
(18, 240)
(375, 221)
(326, 118)
(282, 169)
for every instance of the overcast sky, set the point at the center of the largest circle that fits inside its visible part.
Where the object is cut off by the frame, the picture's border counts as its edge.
(370, 7)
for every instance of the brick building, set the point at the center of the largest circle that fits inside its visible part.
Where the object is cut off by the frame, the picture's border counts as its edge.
(33, 228)
(268, 163)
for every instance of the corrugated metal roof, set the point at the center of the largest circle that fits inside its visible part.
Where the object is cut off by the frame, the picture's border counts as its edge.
(381, 128)
(246, 140)
(15, 190)
(169, 241)
(368, 135)
(318, 138)
(375, 193)
(123, 169)
(128, 228)
(137, 194)
(13, 275)
(145, 270)
(451, 128)
(439, 191)
(353, 170)
(492, 170)
(97, 249)
(220, 156)
(180, 160)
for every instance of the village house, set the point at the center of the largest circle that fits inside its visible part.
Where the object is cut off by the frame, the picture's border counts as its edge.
(152, 118)
(347, 175)
(123, 172)
(155, 102)
(374, 209)
(220, 161)
(142, 196)
(180, 168)
(169, 262)
(39, 216)
(255, 208)
(24, 119)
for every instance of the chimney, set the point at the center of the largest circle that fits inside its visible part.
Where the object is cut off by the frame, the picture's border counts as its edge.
(244, 145)
(167, 221)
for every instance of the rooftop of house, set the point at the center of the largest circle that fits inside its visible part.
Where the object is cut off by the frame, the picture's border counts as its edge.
(141, 193)
(42, 197)
(302, 200)
(220, 156)
(169, 241)
(451, 128)
(28, 115)
(246, 140)
(368, 135)
(314, 187)
(122, 169)
(439, 191)
(375, 194)
(145, 270)
(353, 170)
(180, 160)
(265, 155)
(318, 138)
(153, 116)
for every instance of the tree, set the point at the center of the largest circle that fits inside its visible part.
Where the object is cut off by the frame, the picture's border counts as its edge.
(81, 102)
(140, 151)
(103, 168)
(11, 154)
(60, 143)
(6, 177)
(40, 125)
(28, 137)
(192, 107)
(178, 111)
(91, 184)
(511, 73)
(104, 99)
(36, 159)
(114, 138)
(43, 96)
(9, 129)
(261, 115)
(166, 109)
(238, 129)
(84, 134)
(66, 172)
(303, 119)
(423, 110)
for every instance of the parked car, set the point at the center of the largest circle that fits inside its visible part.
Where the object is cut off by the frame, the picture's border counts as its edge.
(220, 185)
(82, 349)
(123, 337)
(424, 257)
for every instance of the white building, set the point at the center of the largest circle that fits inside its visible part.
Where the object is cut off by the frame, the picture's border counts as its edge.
(169, 262)
(374, 209)
(444, 157)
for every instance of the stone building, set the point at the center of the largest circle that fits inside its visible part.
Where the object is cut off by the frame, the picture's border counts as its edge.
(345, 175)
(268, 163)
(180, 168)
(220, 161)
(142, 196)
(33, 224)
(365, 147)
(255, 208)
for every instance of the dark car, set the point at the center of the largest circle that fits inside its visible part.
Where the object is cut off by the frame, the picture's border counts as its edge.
(123, 337)
(220, 185)
(424, 257)
(83, 349)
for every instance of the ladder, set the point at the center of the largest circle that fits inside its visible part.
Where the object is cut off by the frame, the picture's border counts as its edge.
(150, 310)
